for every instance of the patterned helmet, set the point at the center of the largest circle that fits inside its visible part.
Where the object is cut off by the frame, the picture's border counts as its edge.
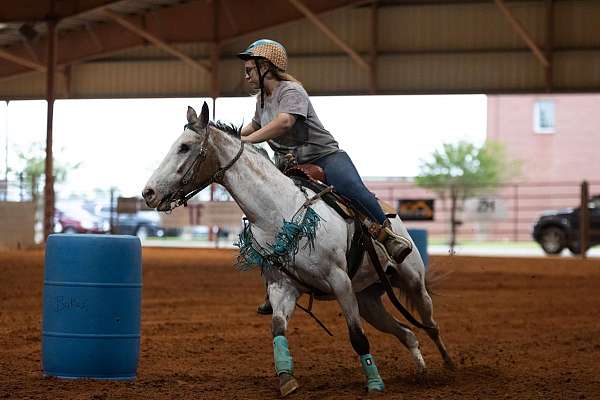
(268, 49)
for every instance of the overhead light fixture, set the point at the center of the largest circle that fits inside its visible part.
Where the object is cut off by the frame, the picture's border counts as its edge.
(3, 26)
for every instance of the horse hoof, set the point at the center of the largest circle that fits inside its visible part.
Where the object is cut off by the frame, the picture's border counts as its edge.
(287, 384)
(375, 386)
(449, 365)
(421, 377)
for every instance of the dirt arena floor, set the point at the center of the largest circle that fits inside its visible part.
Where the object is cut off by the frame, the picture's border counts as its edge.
(517, 329)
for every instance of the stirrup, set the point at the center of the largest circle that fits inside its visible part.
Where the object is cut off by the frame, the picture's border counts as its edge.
(387, 235)
(401, 255)
(381, 247)
(381, 234)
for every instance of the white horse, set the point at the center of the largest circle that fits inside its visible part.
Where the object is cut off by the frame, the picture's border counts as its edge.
(267, 197)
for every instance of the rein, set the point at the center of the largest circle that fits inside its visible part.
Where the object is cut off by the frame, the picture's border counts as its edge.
(368, 243)
(180, 197)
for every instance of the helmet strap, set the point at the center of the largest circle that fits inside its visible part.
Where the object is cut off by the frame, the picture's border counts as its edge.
(261, 78)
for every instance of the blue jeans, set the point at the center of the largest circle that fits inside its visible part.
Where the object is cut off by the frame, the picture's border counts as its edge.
(341, 173)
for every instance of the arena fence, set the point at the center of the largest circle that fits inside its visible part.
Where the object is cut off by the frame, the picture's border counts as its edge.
(506, 213)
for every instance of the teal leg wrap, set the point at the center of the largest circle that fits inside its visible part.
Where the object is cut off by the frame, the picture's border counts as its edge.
(374, 381)
(283, 358)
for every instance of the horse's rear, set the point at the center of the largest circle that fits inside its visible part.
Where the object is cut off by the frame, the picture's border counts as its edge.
(409, 278)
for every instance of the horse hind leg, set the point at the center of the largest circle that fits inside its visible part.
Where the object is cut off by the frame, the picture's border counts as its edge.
(342, 288)
(419, 298)
(375, 313)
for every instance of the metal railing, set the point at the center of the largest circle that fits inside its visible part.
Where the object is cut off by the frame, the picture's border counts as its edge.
(506, 213)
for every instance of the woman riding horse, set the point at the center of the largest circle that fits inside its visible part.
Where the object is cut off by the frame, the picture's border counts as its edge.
(286, 120)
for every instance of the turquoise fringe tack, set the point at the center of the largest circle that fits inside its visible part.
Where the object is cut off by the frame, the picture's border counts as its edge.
(287, 243)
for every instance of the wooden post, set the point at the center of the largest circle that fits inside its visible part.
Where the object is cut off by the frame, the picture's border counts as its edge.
(214, 92)
(49, 165)
(584, 219)
(6, 153)
(548, 70)
(516, 216)
(211, 235)
(214, 58)
(373, 50)
(214, 73)
(67, 81)
(111, 210)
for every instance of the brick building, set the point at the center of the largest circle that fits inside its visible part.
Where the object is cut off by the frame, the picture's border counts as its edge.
(557, 137)
(557, 140)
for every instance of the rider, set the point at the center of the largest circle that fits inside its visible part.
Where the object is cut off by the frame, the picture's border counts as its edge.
(286, 119)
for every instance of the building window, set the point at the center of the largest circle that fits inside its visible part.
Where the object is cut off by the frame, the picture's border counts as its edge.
(543, 116)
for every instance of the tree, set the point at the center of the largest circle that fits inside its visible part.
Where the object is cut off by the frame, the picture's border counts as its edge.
(462, 170)
(33, 167)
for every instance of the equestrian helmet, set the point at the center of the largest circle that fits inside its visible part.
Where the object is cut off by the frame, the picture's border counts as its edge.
(268, 49)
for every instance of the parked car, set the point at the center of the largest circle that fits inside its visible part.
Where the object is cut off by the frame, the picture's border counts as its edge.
(556, 230)
(72, 218)
(142, 224)
(201, 232)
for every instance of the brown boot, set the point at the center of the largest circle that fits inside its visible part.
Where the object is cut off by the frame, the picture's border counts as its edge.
(397, 247)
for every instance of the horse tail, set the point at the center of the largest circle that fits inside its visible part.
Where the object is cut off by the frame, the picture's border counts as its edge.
(434, 280)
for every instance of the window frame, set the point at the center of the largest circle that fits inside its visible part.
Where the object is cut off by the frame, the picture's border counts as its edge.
(537, 109)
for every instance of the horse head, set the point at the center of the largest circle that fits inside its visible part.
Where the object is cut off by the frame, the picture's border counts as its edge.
(188, 167)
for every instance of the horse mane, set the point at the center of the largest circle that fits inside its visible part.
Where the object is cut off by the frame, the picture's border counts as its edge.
(236, 132)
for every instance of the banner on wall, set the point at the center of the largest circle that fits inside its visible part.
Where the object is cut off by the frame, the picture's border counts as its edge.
(416, 209)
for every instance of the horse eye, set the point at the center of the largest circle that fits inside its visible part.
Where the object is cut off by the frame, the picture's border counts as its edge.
(183, 148)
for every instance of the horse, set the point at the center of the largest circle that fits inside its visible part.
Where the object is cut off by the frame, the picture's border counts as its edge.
(208, 152)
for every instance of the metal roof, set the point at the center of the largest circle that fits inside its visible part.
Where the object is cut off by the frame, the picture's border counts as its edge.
(106, 48)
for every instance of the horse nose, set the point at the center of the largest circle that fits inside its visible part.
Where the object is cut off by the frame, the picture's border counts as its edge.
(148, 194)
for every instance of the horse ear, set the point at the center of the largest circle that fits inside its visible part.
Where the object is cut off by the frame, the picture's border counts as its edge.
(204, 115)
(191, 115)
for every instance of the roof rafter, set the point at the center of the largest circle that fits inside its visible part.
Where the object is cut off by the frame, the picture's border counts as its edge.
(127, 24)
(522, 32)
(25, 62)
(38, 11)
(300, 6)
(182, 23)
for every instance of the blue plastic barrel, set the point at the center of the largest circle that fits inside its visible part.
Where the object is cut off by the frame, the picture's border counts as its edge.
(91, 307)
(419, 236)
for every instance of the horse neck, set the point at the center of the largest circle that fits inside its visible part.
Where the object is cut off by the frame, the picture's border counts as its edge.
(264, 194)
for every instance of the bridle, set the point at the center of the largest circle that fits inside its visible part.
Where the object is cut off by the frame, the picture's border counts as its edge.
(179, 197)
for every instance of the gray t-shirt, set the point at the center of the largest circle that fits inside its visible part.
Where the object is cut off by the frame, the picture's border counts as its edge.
(307, 140)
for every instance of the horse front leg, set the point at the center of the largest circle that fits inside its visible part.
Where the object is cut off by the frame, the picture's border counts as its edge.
(342, 288)
(283, 300)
